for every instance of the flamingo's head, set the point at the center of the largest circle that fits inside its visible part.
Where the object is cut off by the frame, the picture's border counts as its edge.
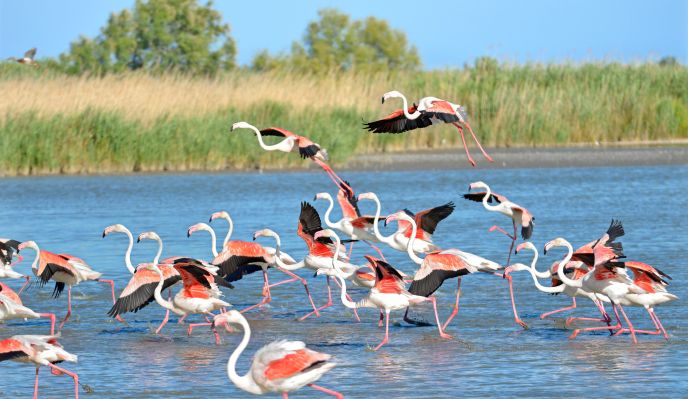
(391, 94)
(27, 244)
(477, 184)
(229, 317)
(148, 235)
(524, 245)
(264, 233)
(325, 233)
(196, 227)
(322, 196)
(401, 215)
(557, 242)
(368, 196)
(327, 272)
(516, 267)
(461, 113)
(242, 125)
(219, 215)
(115, 228)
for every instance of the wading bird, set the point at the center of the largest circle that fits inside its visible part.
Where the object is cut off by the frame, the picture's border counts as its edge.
(27, 59)
(64, 270)
(9, 249)
(199, 294)
(427, 220)
(388, 293)
(279, 367)
(11, 307)
(41, 350)
(293, 142)
(429, 111)
(518, 214)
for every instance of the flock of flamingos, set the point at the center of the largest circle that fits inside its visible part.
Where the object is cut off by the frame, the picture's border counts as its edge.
(596, 270)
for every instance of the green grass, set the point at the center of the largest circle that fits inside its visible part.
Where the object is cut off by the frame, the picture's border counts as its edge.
(531, 105)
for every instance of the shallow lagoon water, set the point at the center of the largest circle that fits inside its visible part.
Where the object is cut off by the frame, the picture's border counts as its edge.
(489, 356)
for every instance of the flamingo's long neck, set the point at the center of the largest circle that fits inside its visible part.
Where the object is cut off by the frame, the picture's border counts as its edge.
(276, 147)
(376, 228)
(244, 382)
(127, 255)
(278, 256)
(412, 116)
(231, 228)
(412, 239)
(560, 270)
(533, 265)
(158, 289)
(213, 241)
(34, 265)
(488, 193)
(535, 274)
(328, 221)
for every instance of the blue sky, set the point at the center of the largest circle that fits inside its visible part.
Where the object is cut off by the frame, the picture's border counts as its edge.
(447, 33)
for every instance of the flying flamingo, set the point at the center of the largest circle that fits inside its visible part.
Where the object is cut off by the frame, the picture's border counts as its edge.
(576, 269)
(65, 270)
(8, 250)
(239, 258)
(199, 294)
(427, 220)
(387, 294)
(293, 142)
(279, 367)
(429, 111)
(139, 291)
(517, 214)
(11, 307)
(27, 59)
(441, 265)
(607, 279)
(41, 350)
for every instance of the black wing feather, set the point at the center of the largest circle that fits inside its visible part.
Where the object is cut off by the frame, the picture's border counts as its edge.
(430, 283)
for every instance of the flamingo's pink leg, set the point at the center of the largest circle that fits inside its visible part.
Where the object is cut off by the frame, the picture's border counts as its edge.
(465, 147)
(657, 330)
(386, 339)
(351, 249)
(659, 323)
(501, 230)
(207, 323)
(605, 317)
(69, 307)
(326, 391)
(50, 316)
(114, 298)
(349, 298)
(35, 385)
(333, 176)
(573, 306)
(305, 285)
(437, 318)
(266, 294)
(630, 325)
(285, 395)
(489, 158)
(325, 306)
(167, 314)
(28, 279)
(456, 305)
(74, 376)
(513, 303)
(376, 248)
(614, 327)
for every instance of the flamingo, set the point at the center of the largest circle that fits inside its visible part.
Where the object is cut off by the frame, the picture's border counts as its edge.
(429, 111)
(388, 293)
(279, 367)
(607, 279)
(9, 249)
(293, 142)
(11, 307)
(65, 270)
(139, 291)
(41, 350)
(27, 59)
(239, 258)
(517, 214)
(199, 295)
(441, 265)
(427, 220)
(576, 269)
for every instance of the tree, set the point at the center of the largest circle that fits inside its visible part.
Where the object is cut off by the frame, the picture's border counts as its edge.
(157, 35)
(668, 61)
(335, 42)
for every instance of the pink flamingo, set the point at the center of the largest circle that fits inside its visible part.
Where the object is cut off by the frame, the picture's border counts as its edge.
(11, 307)
(278, 367)
(518, 214)
(65, 270)
(199, 294)
(293, 142)
(8, 250)
(441, 265)
(41, 350)
(429, 111)
(240, 258)
(388, 293)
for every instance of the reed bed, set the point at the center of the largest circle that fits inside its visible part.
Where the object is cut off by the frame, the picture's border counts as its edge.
(53, 123)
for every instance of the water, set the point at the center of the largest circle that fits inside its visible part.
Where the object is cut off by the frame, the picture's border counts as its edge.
(490, 355)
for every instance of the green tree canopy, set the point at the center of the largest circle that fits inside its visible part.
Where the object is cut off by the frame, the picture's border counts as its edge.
(335, 42)
(157, 35)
